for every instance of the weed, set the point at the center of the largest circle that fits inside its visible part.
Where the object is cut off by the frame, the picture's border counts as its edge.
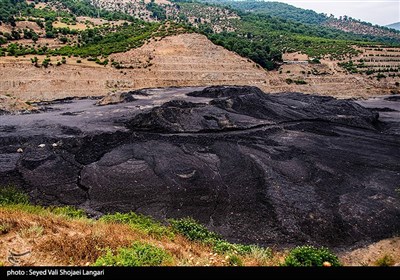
(234, 260)
(68, 211)
(386, 260)
(138, 254)
(192, 230)
(5, 228)
(10, 195)
(310, 256)
(263, 255)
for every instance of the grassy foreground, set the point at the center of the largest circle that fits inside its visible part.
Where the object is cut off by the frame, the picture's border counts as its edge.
(35, 236)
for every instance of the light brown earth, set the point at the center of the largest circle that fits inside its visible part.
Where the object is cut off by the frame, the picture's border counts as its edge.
(54, 240)
(369, 255)
(181, 60)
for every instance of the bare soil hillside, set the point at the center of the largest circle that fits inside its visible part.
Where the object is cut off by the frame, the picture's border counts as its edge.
(181, 60)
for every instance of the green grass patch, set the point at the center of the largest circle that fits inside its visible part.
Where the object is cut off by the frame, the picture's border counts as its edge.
(12, 198)
(68, 211)
(10, 195)
(139, 254)
(194, 231)
(310, 256)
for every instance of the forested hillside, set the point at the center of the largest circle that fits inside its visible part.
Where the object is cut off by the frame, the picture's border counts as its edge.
(275, 9)
(395, 25)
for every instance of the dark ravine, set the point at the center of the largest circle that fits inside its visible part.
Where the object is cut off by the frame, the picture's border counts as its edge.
(278, 169)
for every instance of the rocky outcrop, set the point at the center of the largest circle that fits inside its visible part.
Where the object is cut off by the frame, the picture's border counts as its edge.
(268, 169)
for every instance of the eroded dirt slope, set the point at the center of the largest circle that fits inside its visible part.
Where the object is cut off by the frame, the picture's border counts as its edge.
(182, 60)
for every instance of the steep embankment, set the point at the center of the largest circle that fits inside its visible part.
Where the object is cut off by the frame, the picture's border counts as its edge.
(182, 60)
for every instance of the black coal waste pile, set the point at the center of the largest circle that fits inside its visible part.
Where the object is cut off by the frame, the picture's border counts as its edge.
(258, 168)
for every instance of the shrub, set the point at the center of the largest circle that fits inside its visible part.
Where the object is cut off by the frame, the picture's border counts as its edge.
(289, 81)
(10, 195)
(5, 228)
(385, 261)
(68, 211)
(235, 261)
(140, 222)
(46, 62)
(139, 254)
(223, 246)
(315, 61)
(193, 231)
(300, 82)
(310, 256)
(380, 76)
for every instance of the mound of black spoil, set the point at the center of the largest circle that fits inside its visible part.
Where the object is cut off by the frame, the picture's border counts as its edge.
(247, 107)
(268, 169)
(225, 91)
(393, 98)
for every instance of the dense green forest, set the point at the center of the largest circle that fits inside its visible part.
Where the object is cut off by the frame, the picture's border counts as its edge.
(274, 9)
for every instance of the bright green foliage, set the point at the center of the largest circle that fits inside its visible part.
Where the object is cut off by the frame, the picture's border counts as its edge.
(310, 256)
(192, 230)
(234, 260)
(10, 195)
(140, 222)
(139, 254)
(157, 11)
(223, 246)
(46, 62)
(68, 211)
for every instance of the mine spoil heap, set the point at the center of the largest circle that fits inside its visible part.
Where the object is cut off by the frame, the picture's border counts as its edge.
(258, 168)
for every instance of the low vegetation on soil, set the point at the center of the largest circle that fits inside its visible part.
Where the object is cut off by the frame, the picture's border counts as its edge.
(66, 236)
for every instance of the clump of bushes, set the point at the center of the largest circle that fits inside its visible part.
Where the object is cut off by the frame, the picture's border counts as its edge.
(68, 211)
(138, 254)
(194, 231)
(297, 82)
(310, 256)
